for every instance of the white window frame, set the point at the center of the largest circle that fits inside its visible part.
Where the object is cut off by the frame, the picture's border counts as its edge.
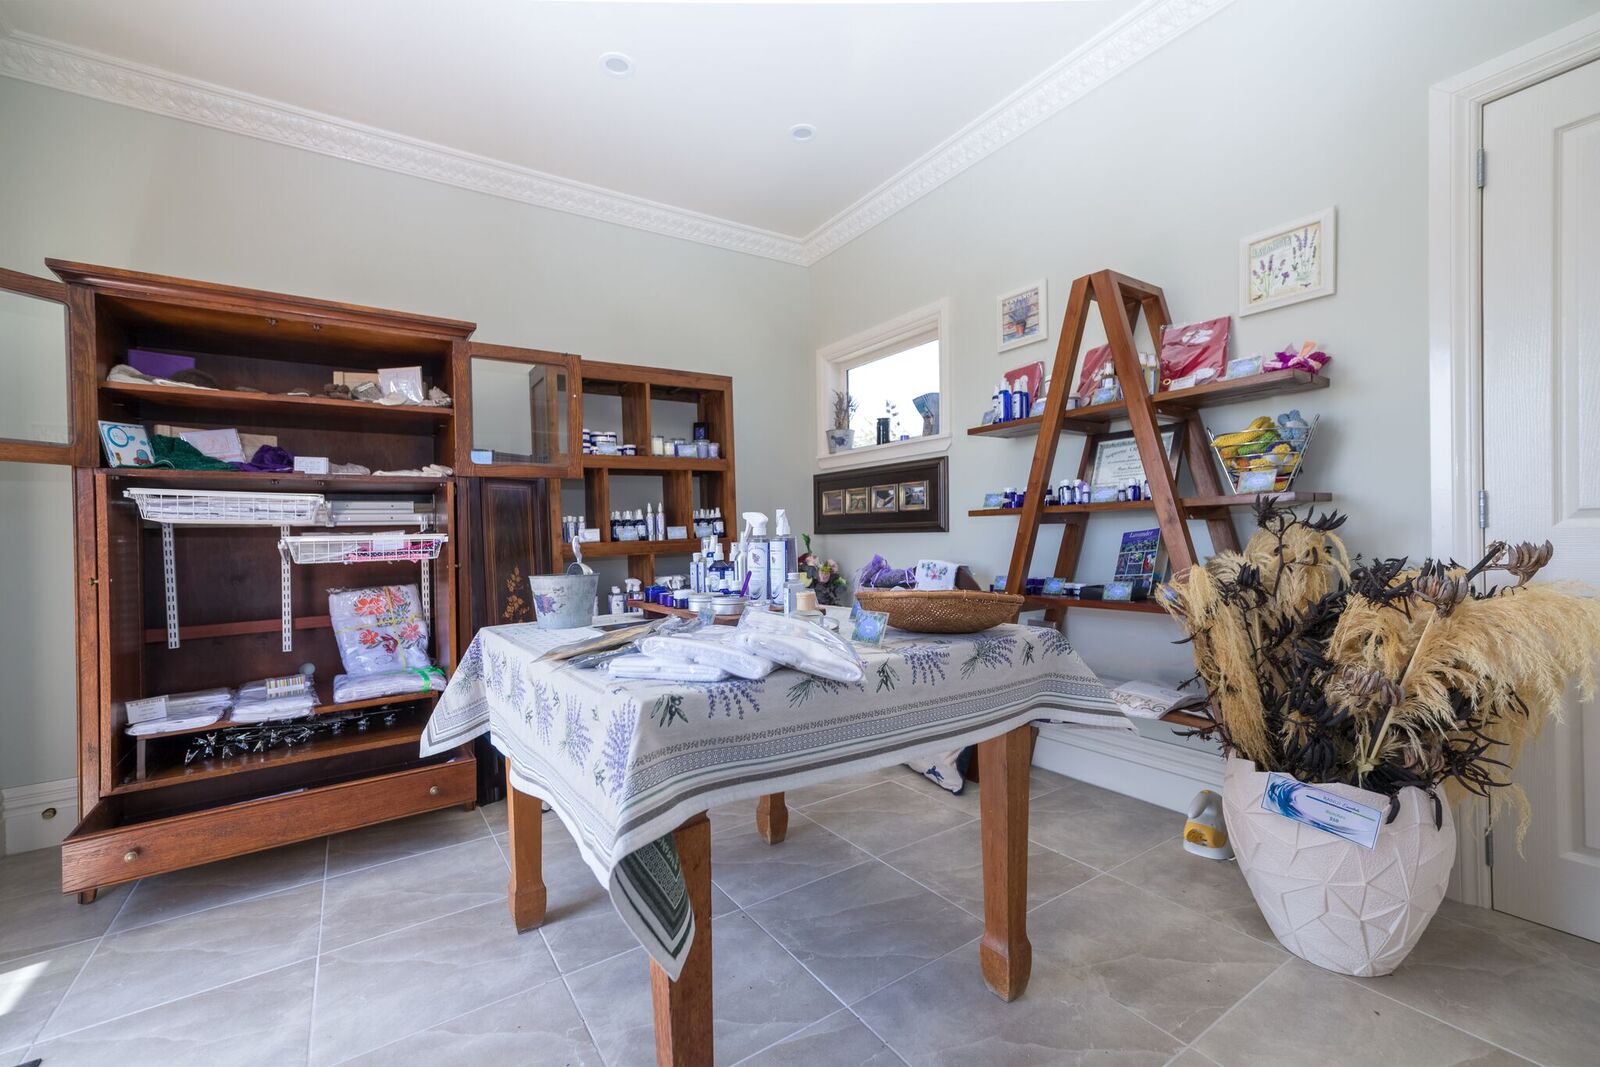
(834, 361)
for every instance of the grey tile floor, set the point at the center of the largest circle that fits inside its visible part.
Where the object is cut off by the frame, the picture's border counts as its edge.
(852, 943)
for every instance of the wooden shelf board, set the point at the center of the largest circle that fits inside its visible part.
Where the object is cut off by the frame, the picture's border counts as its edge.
(1096, 417)
(682, 613)
(322, 748)
(231, 400)
(1063, 512)
(652, 464)
(1189, 718)
(1047, 603)
(625, 549)
(157, 635)
(256, 481)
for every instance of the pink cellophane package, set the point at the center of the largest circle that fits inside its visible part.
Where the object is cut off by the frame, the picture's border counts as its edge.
(1199, 346)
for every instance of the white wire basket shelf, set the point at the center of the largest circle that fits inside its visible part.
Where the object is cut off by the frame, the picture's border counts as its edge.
(209, 507)
(389, 547)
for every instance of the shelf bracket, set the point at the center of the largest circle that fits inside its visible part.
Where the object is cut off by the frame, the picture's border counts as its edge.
(426, 588)
(284, 595)
(169, 583)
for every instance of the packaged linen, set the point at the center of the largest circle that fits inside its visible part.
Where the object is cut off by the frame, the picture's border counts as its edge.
(799, 644)
(380, 628)
(348, 687)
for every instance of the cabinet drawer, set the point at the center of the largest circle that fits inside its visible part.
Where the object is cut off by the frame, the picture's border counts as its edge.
(104, 850)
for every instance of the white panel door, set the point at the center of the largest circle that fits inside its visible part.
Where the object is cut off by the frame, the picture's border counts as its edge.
(1541, 389)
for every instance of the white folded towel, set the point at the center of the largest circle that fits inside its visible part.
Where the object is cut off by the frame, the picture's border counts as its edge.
(664, 670)
(712, 647)
(799, 644)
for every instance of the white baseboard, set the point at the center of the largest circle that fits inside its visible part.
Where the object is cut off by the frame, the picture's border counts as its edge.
(1159, 773)
(23, 811)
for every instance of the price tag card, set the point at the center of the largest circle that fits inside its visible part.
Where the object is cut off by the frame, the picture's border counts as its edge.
(1326, 811)
(1258, 481)
(147, 710)
(870, 627)
(1118, 591)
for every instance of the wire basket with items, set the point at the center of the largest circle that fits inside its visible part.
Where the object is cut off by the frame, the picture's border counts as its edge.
(386, 547)
(1266, 455)
(204, 507)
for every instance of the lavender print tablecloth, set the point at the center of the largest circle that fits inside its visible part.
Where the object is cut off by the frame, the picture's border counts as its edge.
(624, 763)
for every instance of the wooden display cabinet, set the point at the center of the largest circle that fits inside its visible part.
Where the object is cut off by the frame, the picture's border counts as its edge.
(145, 808)
(686, 483)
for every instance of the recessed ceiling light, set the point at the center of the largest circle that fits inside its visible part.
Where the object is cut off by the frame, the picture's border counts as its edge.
(803, 132)
(616, 64)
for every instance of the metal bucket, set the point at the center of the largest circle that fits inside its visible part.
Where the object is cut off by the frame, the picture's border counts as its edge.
(563, 601)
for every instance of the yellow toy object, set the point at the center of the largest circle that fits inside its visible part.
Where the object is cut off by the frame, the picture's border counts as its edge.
(1206, 834)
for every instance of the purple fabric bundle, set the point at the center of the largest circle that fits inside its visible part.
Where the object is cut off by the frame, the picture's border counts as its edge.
(877, 574)
(268, 458)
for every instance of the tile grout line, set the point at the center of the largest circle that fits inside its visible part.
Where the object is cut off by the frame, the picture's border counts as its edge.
(316, 967)
(74, 983)
(1357, 982)
(1215, 1022)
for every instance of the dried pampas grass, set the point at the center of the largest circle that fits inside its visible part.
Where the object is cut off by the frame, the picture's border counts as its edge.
(1381, 675)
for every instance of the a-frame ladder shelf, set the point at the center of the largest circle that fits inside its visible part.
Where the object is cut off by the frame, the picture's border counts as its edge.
(1120, 301)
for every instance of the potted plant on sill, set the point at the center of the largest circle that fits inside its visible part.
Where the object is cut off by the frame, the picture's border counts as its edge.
(1395, 687)
(840, 436)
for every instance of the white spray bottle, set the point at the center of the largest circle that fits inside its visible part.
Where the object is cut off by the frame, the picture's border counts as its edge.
(781, 557)
(754, 543)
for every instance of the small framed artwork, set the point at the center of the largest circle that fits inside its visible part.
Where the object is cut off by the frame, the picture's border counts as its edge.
(1023, 317)
(1287, 264)
(908, 497)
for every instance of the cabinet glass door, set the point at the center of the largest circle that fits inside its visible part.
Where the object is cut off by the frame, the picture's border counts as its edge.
(36, 394)
(524, 413)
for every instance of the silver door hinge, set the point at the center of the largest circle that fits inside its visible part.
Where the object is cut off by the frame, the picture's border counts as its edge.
(1488, 848)
(1482, 166)
(1483, 509)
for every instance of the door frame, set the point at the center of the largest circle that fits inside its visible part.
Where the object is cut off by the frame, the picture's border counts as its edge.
(1455, 320)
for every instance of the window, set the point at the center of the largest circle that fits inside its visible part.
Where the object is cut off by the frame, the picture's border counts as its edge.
(882, 392)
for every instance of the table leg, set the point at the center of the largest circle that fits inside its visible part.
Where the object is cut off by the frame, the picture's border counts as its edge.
(772, 818)
(683, 1008)
(525, 892)
(1005, 952)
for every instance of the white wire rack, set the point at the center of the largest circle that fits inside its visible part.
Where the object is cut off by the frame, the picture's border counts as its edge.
(386, 547)
(211, 507)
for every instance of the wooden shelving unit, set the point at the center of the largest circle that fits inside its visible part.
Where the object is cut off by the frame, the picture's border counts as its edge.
(1120, 301)
(228, 584)
(687, 484)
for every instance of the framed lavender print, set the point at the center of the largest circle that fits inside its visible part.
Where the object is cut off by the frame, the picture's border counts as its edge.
(1287, 264)
(1023, 317)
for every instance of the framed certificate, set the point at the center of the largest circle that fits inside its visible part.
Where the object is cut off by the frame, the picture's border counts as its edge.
(1117, 463)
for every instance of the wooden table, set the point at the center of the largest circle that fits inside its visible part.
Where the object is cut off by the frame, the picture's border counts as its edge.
(683, 1008)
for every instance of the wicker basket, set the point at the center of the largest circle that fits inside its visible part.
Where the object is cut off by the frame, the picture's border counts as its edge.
(955, 611)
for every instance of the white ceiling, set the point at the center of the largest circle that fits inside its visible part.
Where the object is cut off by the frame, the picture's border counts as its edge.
(702, 124)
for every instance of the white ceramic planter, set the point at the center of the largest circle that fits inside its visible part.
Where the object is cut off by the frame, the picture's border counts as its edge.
(1329, 901)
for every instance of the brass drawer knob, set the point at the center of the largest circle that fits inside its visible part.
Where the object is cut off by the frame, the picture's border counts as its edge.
(433, 790)
(130, 855)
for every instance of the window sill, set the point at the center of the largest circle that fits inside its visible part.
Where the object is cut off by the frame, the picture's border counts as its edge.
(870, 455)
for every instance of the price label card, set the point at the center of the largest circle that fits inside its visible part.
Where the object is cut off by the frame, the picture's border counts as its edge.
(147, 710)
(870, 627)
(1326, 811)
(1258, 481)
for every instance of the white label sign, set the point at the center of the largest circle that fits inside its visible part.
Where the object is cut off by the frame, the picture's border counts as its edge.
(147, 710)
(1326, 811)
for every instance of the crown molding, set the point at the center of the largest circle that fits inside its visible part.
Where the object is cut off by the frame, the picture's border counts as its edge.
(60, 66)
(1119, 46)
(1133, 37)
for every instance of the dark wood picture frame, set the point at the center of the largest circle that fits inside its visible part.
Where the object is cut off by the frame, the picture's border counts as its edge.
(935, 518)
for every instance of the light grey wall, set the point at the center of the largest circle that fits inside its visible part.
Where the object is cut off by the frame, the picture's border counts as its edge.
(104, 184)
(1264, 113)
